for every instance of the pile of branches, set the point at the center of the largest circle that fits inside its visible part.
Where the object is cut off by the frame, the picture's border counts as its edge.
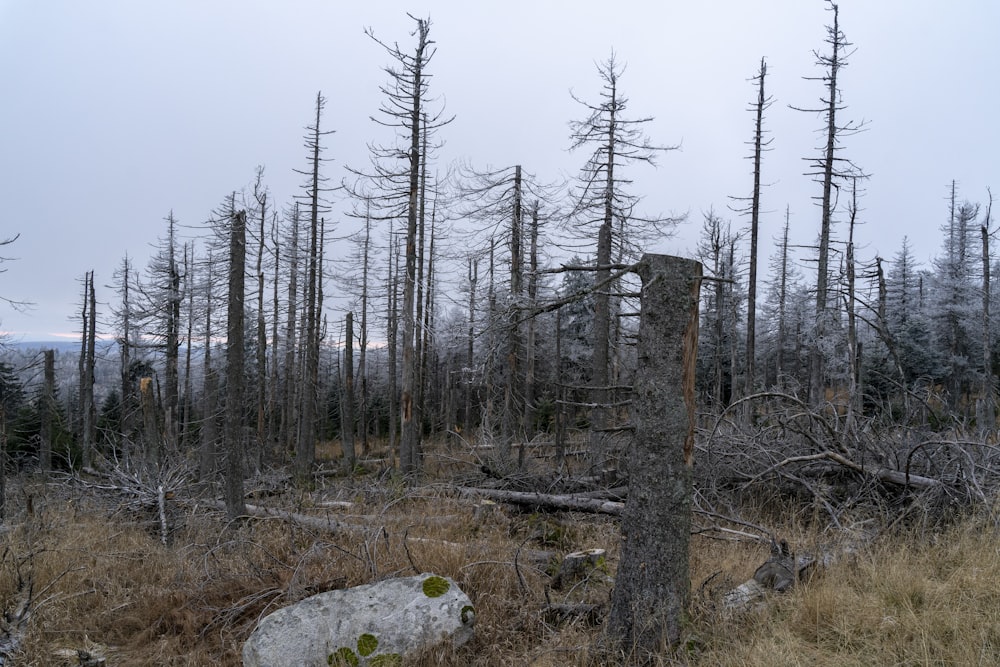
(775, 442)
(140, 492)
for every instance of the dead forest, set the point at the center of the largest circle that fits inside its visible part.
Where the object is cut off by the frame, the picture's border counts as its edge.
(414, 366)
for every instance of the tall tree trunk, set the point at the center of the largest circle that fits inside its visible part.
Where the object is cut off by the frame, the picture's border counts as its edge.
(529, 344)
(88, 414)
(470, 361)
(758, 145)
(47, 414)
(363, 343)
(290, 420)
(987, 411)
(348, 427)
(853, 346)
(653, 583)
(393, 344)
(599, 377)
(782, 305)
(234, 440)
(409, 448)
(185, 416)
(305, 449)
(817, 370)
(274, 386)
(208, 434)
(261, 351)
(512, 381)
(172, 352)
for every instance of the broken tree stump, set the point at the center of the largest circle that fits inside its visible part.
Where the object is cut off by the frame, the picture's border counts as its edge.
(652, 586)
(578, 565)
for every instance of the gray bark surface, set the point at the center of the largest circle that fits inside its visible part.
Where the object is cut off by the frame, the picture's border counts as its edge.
(652, 585)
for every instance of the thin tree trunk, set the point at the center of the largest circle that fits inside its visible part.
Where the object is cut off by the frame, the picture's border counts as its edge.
(470, 360)
(185, 416)
(409, 449)
(289, 419)
(754, 229)
(208, 434)
(511, 415)
(261, 350)
(305, 448)
(234, 440)
(817, 374)
(782, 305)
(853, 346)
(987, 411)
(363, 346)
(393, 345)
(172, 352)
(347, 427)
(47, 413)
(529, 351)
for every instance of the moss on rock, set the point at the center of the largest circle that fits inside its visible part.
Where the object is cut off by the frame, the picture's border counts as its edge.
(435, 586)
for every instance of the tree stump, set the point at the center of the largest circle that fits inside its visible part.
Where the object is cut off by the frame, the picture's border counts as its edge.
(652, 586)
(578, 565)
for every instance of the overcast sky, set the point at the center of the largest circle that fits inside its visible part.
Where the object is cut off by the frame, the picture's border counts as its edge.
(116, 113)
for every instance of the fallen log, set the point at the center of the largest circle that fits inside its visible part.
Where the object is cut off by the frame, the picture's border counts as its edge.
(885, 475)
(548, 501)
(325, 524)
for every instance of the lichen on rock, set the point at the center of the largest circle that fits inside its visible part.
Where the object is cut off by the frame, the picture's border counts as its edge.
(435, 586)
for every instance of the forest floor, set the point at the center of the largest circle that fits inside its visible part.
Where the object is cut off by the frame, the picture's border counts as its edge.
(102, 583)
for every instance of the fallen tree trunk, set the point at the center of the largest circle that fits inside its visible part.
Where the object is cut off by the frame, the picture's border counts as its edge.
(325, 524)
(882, 474)
(548, 501)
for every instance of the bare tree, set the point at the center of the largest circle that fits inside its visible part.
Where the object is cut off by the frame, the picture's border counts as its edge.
(403, 109)
(600, 200)
(88, 412)
(987, 402)
(348, 427)
(827, 169)
(305, 450)
(47, 413)
(235, 331)
(760, 145)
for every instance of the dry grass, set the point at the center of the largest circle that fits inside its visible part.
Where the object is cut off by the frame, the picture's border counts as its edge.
(104, 582)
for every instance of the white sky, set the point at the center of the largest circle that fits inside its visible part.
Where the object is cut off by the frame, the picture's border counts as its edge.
(115, 113)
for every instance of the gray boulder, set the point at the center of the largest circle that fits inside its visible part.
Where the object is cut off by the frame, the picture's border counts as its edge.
(375, 624)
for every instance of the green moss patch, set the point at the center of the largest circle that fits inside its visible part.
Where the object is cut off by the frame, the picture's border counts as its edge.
(435, 587)
(344, 657)
(367, 643)
(467, 614)
(387, 660)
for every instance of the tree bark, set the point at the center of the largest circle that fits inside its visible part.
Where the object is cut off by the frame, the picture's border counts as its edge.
(347, 428)
(234, 441)
(409, 449)
(48, 413)
(762, 102)
(653, 583)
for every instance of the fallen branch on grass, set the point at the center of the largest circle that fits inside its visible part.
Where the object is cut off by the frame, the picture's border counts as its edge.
(548, 500)
(325, 524)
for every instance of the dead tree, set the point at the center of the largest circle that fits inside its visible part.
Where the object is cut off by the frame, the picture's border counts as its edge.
(347, 428)
(653, 583)
(48, 407)
(760, 145)
(233, 433)
(88, 414)
(826, 169)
